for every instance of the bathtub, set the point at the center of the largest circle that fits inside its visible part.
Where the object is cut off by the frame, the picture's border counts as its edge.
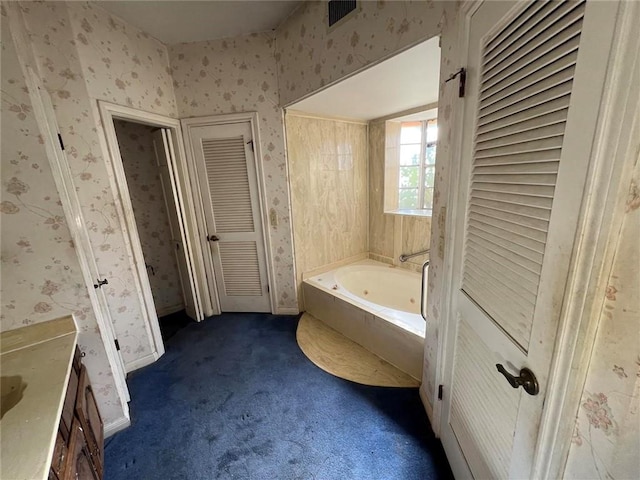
(375, 305)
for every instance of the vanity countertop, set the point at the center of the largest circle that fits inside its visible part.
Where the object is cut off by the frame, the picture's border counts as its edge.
(36, 360)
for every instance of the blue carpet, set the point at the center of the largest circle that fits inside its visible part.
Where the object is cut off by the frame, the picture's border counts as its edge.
(235, 398)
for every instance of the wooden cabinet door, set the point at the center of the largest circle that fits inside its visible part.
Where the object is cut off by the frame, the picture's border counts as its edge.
(79, 465)
(90, 420)
(60, 454)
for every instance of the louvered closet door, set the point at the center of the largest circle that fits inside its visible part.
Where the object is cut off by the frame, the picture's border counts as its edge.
(535, 76)
(229, 186)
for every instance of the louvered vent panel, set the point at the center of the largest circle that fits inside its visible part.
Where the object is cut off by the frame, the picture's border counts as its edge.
(228, 180)
(240, 268)
(526, 79)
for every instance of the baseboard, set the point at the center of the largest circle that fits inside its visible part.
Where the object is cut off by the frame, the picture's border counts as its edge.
(427, 406)
(117, 425)
(286, 311)
(161, 312)
(141, 362)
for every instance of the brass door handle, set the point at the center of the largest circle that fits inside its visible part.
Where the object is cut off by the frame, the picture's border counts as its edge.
(526, 380)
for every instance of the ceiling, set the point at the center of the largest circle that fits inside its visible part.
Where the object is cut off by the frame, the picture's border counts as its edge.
(405, 81)
(194, 21)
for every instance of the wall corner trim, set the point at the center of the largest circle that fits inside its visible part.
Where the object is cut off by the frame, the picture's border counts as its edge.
(116, 426)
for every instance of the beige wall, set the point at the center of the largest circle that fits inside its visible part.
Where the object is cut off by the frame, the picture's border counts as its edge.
(104, 59)
(329, 192)
(149, 208)
(391, 235)
(40, 273)
(239, 75)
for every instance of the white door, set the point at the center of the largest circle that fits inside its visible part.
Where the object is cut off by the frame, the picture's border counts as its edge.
(229, 187)
(49, 128)
(535, 72)
(175, 210)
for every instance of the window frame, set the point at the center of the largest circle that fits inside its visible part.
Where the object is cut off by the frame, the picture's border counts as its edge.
(422, 166)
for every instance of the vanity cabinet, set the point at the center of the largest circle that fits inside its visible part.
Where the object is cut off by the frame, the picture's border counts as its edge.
(80, 461)
(79, 449)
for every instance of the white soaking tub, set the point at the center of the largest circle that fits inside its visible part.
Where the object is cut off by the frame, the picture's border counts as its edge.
(375, 305)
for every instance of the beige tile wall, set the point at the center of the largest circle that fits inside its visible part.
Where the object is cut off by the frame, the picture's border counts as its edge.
(391, 235)
(329, 192)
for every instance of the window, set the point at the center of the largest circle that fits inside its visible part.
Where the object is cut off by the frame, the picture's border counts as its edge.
(410, 163)
(417, 164)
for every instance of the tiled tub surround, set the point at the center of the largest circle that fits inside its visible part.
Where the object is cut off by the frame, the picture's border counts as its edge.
(376, 306)
(38, 359)
(328, 170)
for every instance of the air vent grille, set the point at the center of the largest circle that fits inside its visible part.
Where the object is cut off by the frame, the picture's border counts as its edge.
(338, 9)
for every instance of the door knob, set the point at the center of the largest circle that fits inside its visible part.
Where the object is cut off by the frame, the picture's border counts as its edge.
(213, 238)
(526, 380)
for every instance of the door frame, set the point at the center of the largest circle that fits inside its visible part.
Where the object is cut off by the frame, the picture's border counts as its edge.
(600, 220)
(122, 200)
(213, 120)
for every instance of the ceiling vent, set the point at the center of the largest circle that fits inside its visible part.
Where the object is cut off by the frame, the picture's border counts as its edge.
(338, 9)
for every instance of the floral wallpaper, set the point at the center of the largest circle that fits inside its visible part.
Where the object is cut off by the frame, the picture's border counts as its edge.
(447, 101)
(606, 439)
(122, 64)
(152, 219)
(40, 275)
(329, 190)
(106, 59)
(239, 75)
(311, 55)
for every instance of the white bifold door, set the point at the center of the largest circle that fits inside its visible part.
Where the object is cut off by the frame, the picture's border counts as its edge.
(227, 175)
(173, 197)
(535, 75)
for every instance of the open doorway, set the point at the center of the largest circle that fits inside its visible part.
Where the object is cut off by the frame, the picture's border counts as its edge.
(156, 216)
(156, 212)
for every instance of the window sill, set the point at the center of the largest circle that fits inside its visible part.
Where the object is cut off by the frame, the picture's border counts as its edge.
(411, 213)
